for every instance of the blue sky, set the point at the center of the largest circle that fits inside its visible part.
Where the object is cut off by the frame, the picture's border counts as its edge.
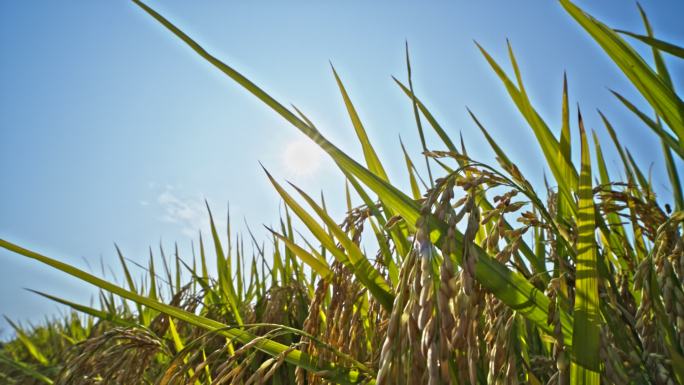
(111, 130)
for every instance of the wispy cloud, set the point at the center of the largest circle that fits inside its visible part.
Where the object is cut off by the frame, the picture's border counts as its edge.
(188, 212)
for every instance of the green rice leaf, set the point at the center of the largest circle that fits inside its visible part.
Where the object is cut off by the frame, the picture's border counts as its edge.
(28, 344)
(667, 153)
(224, 276)
(419, 125)
(362, 268)
(314, 262)
(512, 288)
(661, 45)
(26, 369)
(673, 174)
(129, 280)
(666, 137)
(354, 258)
(536, 259)
(272, 348)
(415, 190)
(617, 230)
(565, 153)
(153, 278)
(621, 151)
(428, 116)
(651, 86)
(372, 160)
(99, 314)
(500, 153)
(585, 366)
(550, 147)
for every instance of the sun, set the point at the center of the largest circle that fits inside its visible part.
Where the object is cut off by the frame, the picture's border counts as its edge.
(302, 157)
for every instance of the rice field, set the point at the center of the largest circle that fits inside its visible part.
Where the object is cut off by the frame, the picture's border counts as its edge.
(480, 277)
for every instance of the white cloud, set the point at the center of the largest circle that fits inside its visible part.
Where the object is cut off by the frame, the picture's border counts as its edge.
(189, 213)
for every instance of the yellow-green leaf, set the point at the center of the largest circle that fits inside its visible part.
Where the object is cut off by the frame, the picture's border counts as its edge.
(585, 365)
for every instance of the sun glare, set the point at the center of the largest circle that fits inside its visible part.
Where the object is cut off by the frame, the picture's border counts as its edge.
(302, 157)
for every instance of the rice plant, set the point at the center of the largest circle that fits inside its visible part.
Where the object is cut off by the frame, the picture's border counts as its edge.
(476, 277)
